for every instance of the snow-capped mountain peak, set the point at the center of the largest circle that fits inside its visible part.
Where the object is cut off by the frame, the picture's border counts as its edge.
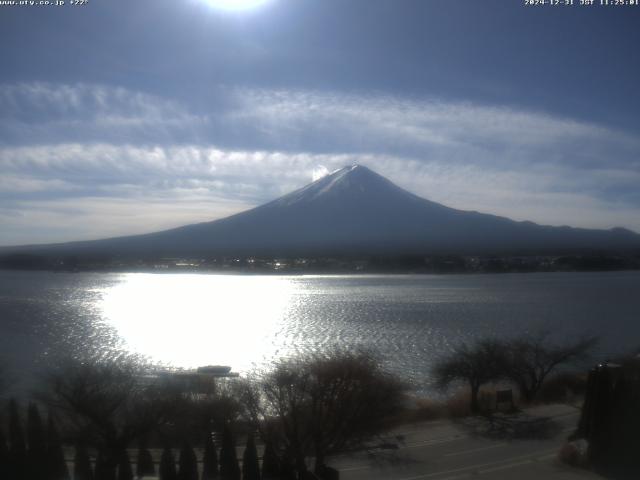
(354, 210)
(351, 181)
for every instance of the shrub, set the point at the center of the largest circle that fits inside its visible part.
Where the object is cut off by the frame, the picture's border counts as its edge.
(324, 403)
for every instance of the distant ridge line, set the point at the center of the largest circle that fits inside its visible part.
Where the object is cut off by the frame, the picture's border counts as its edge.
(351, 211)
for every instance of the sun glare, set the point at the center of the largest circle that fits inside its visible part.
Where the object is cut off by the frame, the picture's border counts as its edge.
(195, 320)
(235, 4)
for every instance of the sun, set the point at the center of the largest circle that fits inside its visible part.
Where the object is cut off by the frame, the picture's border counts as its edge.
(235, 4)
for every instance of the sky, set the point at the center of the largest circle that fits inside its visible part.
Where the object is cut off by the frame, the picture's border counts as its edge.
(121, 117)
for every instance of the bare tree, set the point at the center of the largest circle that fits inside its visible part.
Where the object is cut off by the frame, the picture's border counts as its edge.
(526, 361)
(476, 365)
(321, 404)
(530, 360)
(105, 401)
(203, 414)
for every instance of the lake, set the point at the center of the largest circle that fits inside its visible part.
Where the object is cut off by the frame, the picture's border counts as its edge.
(248, 321)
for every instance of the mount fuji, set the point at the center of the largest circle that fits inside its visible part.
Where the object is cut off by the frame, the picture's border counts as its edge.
(353, 211)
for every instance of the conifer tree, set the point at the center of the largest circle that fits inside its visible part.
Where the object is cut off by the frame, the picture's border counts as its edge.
(17, 448)
(250, 466)
(56, 464)
(210, 460)
(168, 465)
(36, 439)
(188, 463)
(270, 463)
(145, 465)
(229, 469)
(4, 457)
(287, 469)
(82, 464)
(105, 469)
(125, 472)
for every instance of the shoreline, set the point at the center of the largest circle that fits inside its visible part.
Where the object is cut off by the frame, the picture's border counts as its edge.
(301, 273)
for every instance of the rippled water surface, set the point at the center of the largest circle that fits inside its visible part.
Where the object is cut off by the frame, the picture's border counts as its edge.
(247, 321)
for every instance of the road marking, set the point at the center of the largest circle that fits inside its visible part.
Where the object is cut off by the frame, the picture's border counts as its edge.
(435, 441)
(517, 464)
(473, 450)
(351, 469)
(477, 467)
(464, 475)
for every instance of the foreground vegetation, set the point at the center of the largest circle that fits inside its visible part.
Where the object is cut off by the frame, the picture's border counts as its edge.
(525, 362)
(301, 412)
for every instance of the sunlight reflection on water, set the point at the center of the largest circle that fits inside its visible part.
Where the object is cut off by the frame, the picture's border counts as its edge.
(250, 321)
(195, 320)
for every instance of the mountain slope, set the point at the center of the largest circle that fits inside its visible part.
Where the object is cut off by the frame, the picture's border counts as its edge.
(355, 210)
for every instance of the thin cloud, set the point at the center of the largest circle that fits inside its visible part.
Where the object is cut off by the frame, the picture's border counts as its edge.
(49, 113)
(107, 148)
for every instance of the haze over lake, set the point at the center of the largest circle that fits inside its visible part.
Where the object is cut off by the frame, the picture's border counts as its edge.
(247, 321)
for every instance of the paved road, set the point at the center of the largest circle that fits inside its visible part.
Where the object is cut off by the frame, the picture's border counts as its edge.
(509, 447)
